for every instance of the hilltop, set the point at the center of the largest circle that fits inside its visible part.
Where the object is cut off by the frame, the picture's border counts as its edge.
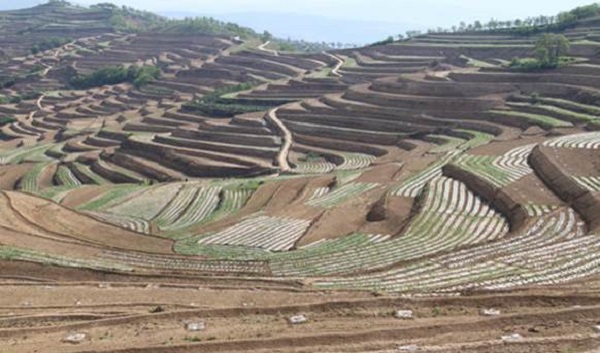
(175, 186)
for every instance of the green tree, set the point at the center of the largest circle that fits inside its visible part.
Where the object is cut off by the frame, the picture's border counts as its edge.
(266, 36)
(493, 24)
(549, 49)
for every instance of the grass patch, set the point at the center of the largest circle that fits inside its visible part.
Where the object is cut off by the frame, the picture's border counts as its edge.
(110, 197)
(483, 166)
(349, 62)
(477, 63)
(5, 120)
(533, 118)
(580, 117)
(222, 102)
(22, 154)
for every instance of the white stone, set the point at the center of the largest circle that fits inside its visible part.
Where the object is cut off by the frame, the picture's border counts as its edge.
(75, 338)
(404, 314)
(515, 337)
(297, 319)
(597, 328)
(408, 348)
(194, 326)
(490, 312)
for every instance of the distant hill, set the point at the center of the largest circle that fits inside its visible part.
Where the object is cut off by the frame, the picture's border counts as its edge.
(311, 28)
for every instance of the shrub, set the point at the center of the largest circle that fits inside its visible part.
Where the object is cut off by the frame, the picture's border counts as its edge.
(29, 95)
(550, 51)
(388, 40)
(550, 48)
(49, 43)
(6, 82)
(215, 105)
(311, 156)
(112, 75)
(5, 120)
(526, 64)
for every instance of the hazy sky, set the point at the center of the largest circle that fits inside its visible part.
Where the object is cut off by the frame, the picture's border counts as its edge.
(425, 12)
(351, 21)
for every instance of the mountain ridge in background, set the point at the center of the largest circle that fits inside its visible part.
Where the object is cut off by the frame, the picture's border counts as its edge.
(310, 28)
(305, 27)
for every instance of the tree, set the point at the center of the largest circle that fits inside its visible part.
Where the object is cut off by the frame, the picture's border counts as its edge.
(266, 36)
(411, 34)
(549, 49)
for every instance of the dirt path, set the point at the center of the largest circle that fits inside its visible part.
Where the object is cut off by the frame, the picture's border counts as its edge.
(39, 102)
(47, 69)
(121, 318)
(263, 47)
(338, 66)
(282, 157)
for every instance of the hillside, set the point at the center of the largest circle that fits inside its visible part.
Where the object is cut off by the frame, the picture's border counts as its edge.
(420, 195)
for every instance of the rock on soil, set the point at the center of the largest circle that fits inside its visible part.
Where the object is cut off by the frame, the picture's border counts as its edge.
(515, 337)
(490, 312)
(194, 326)
(297, 319)
(75, 338)
(408, 348)
(403, 314)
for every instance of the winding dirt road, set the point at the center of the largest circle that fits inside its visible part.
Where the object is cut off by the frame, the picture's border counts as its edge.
(338, 66)
(282, 157)
(263, 47)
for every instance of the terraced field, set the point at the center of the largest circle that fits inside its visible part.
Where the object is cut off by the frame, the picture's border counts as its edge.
(242, 189)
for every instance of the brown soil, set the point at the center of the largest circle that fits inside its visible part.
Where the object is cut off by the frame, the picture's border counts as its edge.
(579, 162)
(123, 317)
(60, 220)
(381, 174)
(531, 189)
(397, 215)
(11, 174)
(46, 177)
(342, 220)
(83, 195)
(501, 147)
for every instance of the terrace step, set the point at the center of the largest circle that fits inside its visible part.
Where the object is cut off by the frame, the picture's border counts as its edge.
(150, 169)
